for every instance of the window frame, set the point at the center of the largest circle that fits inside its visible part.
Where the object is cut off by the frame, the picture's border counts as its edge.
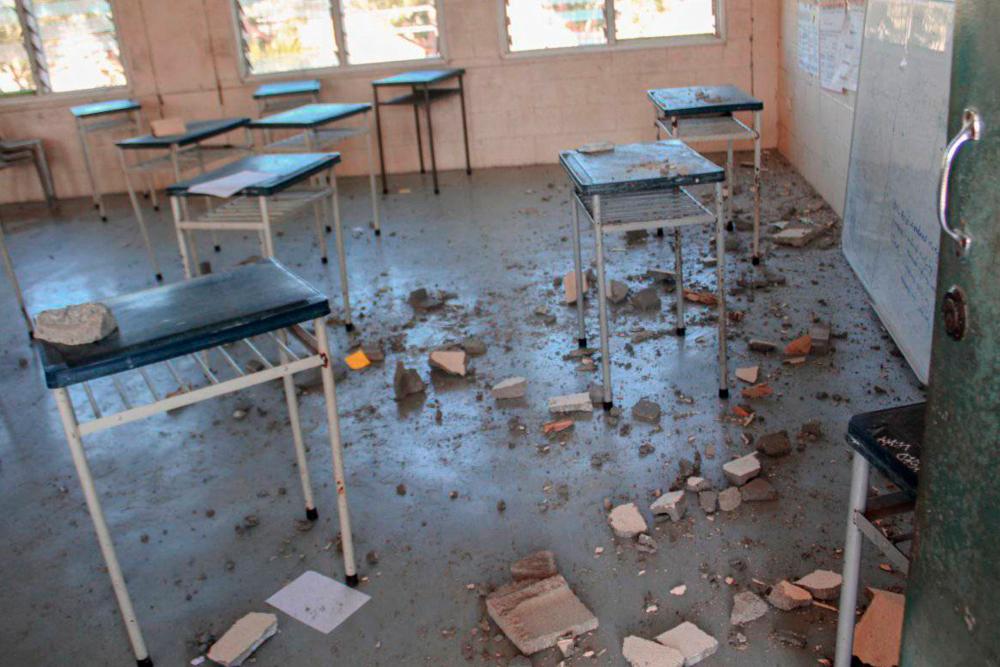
(336, 16)
(613, 43)
(42, 93)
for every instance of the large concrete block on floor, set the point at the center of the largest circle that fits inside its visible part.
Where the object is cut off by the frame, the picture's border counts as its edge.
(246, 635)
(694, 643)
(539, 565)
(641, 652)
(535, 614)
(742, 470)
(627, 521)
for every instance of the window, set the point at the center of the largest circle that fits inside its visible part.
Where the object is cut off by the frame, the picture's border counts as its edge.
(290, 35)
(55, 46)
(535, 25)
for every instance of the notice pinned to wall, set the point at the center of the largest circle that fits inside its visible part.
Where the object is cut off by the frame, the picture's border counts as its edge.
(808, 43)
(840, 28)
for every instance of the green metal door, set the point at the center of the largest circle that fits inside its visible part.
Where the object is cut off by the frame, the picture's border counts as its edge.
(953, 595)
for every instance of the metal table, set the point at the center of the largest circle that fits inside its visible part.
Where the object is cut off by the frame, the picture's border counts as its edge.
(8, 267)
(184, 151)
(285, 94)
(888, 440)
(258, 207)
(311, 121)
(642, 187)
(103, 117)
(421, 95)
(211, 326)
(705, 113)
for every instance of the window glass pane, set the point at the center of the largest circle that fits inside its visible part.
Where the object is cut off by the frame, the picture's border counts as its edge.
(15, 69)
(286, 35)
(636, 19)
(553, 24)
(78, 39)
(387, 30)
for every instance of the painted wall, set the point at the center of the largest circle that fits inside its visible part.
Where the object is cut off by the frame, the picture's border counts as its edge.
(182, 60)
(814, 125)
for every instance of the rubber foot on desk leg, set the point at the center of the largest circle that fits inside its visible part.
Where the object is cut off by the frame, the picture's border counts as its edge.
(324, 260)
(724, 394)
(437, 191)
(145, 662)
(659, 232)
(218, 248)
(581, 343)
(755, 261)
(351, 580)
(378, 232)
(145, 195)
(385, 191)
(312, 513)
(468, 172)
(608, 405)
(329, 229)
(349, 327)
(104, 218)
(156, 208)
(97, 207)
(681, 331)
(730, 226)
(159, 277)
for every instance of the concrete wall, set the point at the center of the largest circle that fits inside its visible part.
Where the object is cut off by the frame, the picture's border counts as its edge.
(182, 60)
(814, 125)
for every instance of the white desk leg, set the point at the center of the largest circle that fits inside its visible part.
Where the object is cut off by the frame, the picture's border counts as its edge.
(581, 335)
(756, 189)
(265, 221)
(341, 255)
(852, 563)
(602, 303)
(8, 267)
(681, 327)
(95, 191)
(333, 425)
(371, 181)
(71, 427)
(182, 236)
(720, 277)
(300, 451)
(730, 185)
(319, 206)
(137, 209)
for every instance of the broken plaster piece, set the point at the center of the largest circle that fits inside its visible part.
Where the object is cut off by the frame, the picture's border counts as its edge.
(535, 615)
(571, 403)
(742, 470)
(513, 387)
(639, 652)
(626, 521)
(449, 361)
(671, 504)
(694, 643)
(243, 638)
(75, 325)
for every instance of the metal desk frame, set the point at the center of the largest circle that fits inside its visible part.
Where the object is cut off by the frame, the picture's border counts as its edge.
(8, 267)
(318, 139)
(283, 95)
(421, 95)
(313, 353)
(104, 121)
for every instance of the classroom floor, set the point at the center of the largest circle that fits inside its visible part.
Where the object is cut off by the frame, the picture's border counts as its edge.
(175, 486)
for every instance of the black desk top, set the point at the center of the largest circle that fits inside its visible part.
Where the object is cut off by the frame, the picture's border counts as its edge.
(310, 115)
(890, 440)
(288, 169)
(304, 87)
(700, 100)
(419, 77)
(197, 130)
(174, 320)
(639, 167)
(102, 108)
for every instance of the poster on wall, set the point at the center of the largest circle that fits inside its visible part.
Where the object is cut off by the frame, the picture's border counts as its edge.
(841, 25)
(808, 43)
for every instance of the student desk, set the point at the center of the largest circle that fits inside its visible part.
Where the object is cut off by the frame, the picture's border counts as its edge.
(103, 117)
(210, 326)
(257, 207)
(705, 113)
(183, 151)
(642, 187)
(285, 94)
(311, 134)
(421, 95)
(890, 441)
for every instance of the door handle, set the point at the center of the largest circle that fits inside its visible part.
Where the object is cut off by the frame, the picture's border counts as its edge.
(972, 130)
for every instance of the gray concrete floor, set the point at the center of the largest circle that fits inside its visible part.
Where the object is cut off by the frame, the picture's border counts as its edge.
(497, 240)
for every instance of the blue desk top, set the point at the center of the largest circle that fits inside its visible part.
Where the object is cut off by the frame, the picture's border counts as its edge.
(102, 108)
(174, 320)
(639, 167)
(288, 169)
(197, 130)
(419, 77)
(699, 100)
(310, 115)
(890, 440)
(287, 88)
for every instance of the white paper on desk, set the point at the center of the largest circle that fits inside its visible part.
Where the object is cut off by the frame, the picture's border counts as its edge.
(227, 186)
(318, 601)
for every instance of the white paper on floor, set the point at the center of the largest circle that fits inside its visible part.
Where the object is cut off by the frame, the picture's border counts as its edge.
(227, 186)
(318, 601)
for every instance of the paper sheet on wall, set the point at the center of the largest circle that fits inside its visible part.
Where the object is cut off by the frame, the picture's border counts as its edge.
(808, 44)
(841, 26)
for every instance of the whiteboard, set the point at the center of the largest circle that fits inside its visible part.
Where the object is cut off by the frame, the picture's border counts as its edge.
(891, 234)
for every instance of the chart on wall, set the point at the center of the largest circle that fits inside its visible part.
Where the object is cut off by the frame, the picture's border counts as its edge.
(829, 41)
(891, 234)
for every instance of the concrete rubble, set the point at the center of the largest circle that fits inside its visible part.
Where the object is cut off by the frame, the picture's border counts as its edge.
(747, 607)
(474, 347)
(571, 403)
(639, 652)
(696, 484)
(535, 614)
(569, 286)
(626, 521)
(742, 470)
(708, 500)
(617, 291)
(879, 633)
(646, 299)
(822, 584)
(670, 504)
(243, 638)
(758, 490)
(449, 361)
(760, 345)
(730, 499)
(748, 374)
(774, 444)
(513, 387)
(406, 382)
(694, 643)
(81, 324)
(539, 565)
(646, 411)
(787, 596)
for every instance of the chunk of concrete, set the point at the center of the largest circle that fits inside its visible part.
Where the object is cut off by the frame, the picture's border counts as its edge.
(639, 652)
(662, 275)
(569, 286)
(165, 127)
(473, 346)
(617, 291)
(730, 499)
(819, 334)
(626, 521)
(75, 325)
(646, 411)
(536, 614)
(708, 501)
(879, 633)
(799, 347)
(571, 403)
(671, 504)
(449, 361)
(747, 607)
(748, 374)
(243, 638)
(742, 470)
(822, 584)
(787, 596)
(646, 299)
(760, 345)
(406, 382)
(757, 491)
(774, 444)
(696, 484)
(694, 643)
(539, 565)
(514, 387)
